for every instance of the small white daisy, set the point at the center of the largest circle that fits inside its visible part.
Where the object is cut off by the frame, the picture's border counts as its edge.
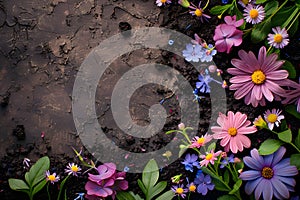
(273, 117)
(279, 39)
(72, 169)
(162, 2)
(254, 14)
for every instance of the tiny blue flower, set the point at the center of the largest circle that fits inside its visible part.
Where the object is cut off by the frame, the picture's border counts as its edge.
(224, 1)
(80, 196)
(190, 161)
(198, 173)
(126, 169)
(192, 52)
(171, 42)
(227, 160)
(203, 84)
(204, 184)
(208, 53)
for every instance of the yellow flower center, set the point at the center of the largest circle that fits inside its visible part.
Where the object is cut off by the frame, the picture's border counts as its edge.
(278, 38)
(267, 172)
(198, 12)
(192, 188)
(272, 118)
(201, 140)
(232, 131)
(51, 177)
(179, 190)
(209, 156)
(253, 13)
(74, 168)
(258, 77)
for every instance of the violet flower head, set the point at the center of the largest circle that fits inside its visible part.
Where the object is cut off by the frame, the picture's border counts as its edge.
(227, 36)
(119, 184)
(204, 184)
(179, 190)
(257, 79)
(227, 160)
(279, 39)
(192, 52)
(231, 20)
(203, 84)
(104, 171)
(102, 189)
(198, 12)
(232, 130)
(270, 176)
(191, 161)
(293, 95)
(254, 14)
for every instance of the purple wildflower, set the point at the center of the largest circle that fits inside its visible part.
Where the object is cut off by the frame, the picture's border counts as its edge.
(227, 160)
(192, 52)
(269, 175)
(163, 2)
(254, 14)
(179, 190)
(104, 171)
(231, 20)
(102, 189)
(198, 12)
(204, 184)
(279, 39)
(190, 161)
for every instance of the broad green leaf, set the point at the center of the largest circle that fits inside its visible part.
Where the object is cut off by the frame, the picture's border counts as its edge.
(124, 196)
(260, 32)
(39, 186)
(282, 15)
(217, 10)
(142, 186)
(269, 146)
(270, 7)
(166, 196)
(17, 184)
(220, 186)
(158, 188)
(288, 66)
(226, 176)
(297, 139)
(292, 109)
(285, 136)
(212, 146)
(37, 172)
(236, 186)
(260, 1)
(150, 174)
(295, 160)
(294, 28)
(227, 197)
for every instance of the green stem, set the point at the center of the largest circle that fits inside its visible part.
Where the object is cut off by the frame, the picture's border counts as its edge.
(48, 191)
(205, 5)
(62, 187)
(296, 18)
(295, 147)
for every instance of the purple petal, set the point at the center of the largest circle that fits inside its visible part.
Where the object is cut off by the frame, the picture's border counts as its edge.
(278, 155)
(282, 191)
(251, 185)
(98, 190)
(277, 75)
(268, 190)
(250, 175)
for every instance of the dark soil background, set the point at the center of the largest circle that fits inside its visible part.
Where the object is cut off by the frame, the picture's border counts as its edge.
(43, 44)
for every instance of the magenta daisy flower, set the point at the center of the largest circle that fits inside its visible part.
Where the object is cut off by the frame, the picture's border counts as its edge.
(254, 14)
(198, 142)
(257, 79)
(209, 158)
(273, 117)
(279, 39)
(232, 131)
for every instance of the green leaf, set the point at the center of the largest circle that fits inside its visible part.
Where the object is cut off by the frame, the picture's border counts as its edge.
(217, 10)
(285, 136)
(270, 7)
(220, 186)
(39, 186)
(158, 188)
(292, 109)
(260, 32)
(227, 197)
(37, 172)
(269, 146)
(124, 196)
(62, 187)
(17, 184)
(166, 196)
(236, 186)
(226, 176)
(142, 186)
(297, 139)
(288, 66)
(295, 160)
(150, 174)
(212, 146)
(260, 1)
(294, 28)
(282, 15)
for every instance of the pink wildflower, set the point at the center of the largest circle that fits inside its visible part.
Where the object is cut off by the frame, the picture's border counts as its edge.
(209, 158)
(232, 130)
(257, 79)
(198, 142)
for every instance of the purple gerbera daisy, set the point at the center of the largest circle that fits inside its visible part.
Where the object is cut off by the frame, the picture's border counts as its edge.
(269, 175)
(257, 79)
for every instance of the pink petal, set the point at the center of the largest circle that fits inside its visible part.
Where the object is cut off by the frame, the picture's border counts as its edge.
(277, 75)
(275, 88)
(256, 92)
(244, 90)
(240, 79)
(235, 71)
(267, 93)
(262, 56)
(241, 65)
(225, 140)
(221, 45)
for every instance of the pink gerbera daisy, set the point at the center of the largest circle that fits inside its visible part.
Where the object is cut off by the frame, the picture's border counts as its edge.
(209, 158)
(198, 142)
(257, 79)
(232, 131)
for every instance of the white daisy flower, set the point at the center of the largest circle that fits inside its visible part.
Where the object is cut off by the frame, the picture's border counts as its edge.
(273, 117)
(254, 14)
(279, 39)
